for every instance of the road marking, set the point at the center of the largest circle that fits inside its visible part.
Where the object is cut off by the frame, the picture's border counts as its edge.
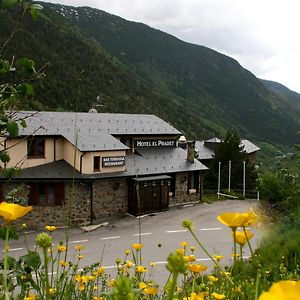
(80, 241)
(145, 233)
(14, 249)
(110, 267)
(110, 237)
(175, 231)
(210, 229)
(203, 259)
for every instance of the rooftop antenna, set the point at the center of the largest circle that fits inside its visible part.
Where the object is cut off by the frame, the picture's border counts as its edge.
(96, 105)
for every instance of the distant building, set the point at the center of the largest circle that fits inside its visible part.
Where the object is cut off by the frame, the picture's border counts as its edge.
(206, 149)
(93, 164)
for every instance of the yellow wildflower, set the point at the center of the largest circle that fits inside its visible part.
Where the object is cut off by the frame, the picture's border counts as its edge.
(118, 260)
(184, 244)
(127, 252)
(180, 251)
(218, 257)
(142, 285)
(52, 291)
(140, 269)
(50, 228)
(233, 219)
(197, 268)
(241, 237)
(150, 291)
(80, 256)
(152, 264)
(61, 248)
(91, 278)
(112, 283)
(129, 263)
(30, 296)
(137, 246)
(212, 278)
(79, 247)
(218, 296)
(95, 288)
(98, 298)
(192, 248)
(282, 290)
(11, 211)
(23, 226)
(63, 263)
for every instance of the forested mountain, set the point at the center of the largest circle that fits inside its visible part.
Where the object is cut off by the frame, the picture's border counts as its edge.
(282, 90)
(135, 68)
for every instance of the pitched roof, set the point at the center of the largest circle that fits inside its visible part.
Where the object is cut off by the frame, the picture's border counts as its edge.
(208, 153)
(93, 131)
(147, 162)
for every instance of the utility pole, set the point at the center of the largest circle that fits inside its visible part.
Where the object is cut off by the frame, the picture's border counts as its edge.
(219, 179)
(229, 176)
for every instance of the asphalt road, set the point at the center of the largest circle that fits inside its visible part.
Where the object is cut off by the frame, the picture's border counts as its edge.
(164, 229)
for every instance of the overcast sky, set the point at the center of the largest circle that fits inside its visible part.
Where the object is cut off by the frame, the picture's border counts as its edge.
(263, 35)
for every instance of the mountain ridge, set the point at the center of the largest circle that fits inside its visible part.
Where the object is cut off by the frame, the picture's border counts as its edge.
(135, 68)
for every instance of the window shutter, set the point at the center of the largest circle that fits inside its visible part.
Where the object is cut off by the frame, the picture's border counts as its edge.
(59, 193)
(33, 194)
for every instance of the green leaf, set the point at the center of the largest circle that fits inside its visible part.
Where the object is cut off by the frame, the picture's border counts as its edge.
(4, 156)
(10, 3)
(23, 123)
(34, 10)
(12, 128)
(13, 233)
(4, 66)
(32, 260)
(26, 89)
(28, 65)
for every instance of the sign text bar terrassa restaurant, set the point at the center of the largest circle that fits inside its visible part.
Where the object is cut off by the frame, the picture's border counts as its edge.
(154, 143)
(113, 161)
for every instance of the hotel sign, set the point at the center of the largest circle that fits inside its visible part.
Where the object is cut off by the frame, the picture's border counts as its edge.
(113, 161)
(154, 143)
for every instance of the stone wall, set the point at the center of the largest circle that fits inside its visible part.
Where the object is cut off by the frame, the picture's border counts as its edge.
(181, 191)
(110, 198)
(77, 206)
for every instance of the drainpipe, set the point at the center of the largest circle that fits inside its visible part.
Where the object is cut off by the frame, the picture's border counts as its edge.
(4, 150)
(81, 156)
(91, 203)
(54, 149)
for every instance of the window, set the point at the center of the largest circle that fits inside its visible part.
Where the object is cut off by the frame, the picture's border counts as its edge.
(36, 147)
(96, 163)
(46, 194)
(193, 182)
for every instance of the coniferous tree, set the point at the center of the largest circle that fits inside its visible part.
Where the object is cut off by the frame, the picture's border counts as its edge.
(230, 150)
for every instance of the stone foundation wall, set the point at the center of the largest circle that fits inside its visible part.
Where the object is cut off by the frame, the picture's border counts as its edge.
(181, 191)
(110, 198)
(77, 206)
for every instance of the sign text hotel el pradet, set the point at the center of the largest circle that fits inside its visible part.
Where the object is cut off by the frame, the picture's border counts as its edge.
(154, 143)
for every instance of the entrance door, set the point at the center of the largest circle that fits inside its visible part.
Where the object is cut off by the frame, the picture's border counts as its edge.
(153, 195)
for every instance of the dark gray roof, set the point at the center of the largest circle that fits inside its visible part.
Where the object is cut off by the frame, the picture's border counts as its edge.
(148, 162)
(94, 131)
(207, 153)
(203, 152)
(55, 171)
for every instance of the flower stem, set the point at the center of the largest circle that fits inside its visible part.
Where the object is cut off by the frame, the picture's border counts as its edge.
(248, 241)
(208, 254)
(45, 252)
(173, 286)
(234, 245)
(6, 248)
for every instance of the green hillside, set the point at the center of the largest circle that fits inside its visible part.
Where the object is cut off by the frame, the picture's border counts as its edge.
(134, 68)
(212, 86)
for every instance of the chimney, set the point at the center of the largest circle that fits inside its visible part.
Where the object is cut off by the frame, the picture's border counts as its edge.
(191, 151)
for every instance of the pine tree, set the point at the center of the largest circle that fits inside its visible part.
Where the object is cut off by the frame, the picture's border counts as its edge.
(230, 150)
